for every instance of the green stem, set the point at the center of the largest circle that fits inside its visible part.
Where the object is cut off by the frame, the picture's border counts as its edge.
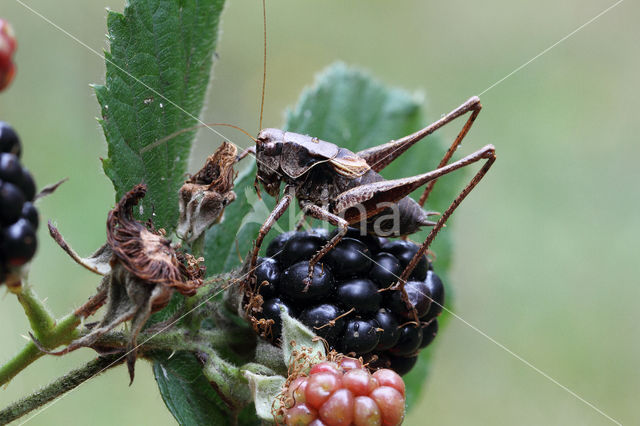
(172, 340)
(61, 333)
(39, 316)
(28, 354)
(197, 247)
(57, 388)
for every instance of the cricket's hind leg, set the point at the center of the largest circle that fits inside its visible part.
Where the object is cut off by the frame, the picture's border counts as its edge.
(475, 108)
(487, 153)
(374, 197)
(379, 157)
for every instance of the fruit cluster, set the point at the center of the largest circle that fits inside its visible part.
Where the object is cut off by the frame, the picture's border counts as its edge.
(7, 49)
(345, 394)
(18, 215)
(351, 301)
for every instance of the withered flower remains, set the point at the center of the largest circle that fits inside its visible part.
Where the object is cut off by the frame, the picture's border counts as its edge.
(205, 195)
(145, 270)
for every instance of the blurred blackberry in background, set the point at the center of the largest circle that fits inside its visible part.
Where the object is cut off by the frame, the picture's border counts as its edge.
(350, 302)
(18, 216)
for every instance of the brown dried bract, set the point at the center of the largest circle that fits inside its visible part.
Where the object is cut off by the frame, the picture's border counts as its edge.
(205, 195)
(145, 252)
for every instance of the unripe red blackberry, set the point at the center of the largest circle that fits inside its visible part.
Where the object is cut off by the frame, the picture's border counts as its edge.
(345, 394)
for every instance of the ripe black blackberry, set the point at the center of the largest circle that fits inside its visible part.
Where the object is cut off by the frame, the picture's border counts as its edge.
(18, 216)
(350, 302)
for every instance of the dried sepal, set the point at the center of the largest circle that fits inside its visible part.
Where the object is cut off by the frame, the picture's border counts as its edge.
(205, 195)
(98, 263)
(50, 189)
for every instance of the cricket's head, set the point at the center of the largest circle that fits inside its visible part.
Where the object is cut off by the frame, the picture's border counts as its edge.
(268, 154)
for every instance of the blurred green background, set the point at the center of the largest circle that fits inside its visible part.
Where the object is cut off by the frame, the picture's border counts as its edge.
(546, 248)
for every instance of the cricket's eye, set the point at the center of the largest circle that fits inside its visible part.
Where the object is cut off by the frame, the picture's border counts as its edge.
(272, 148)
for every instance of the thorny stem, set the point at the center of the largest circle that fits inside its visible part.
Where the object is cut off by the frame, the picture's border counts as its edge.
(173, 340)
(208, 341)
(49, 332)
(57, 388)
(39, 316)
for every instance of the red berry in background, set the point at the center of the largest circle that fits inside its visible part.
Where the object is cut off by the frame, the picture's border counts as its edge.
(346, 394)
(7, 49)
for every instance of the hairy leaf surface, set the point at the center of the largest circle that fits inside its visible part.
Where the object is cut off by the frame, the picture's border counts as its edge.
(158, 70)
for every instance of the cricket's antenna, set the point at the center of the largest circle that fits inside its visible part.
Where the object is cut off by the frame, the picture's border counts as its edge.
(189, 129)
(264, 61)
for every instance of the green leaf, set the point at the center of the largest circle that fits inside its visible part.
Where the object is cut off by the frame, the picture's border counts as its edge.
(176, 302)
(186, 391)
(347, 107)
(158, 70)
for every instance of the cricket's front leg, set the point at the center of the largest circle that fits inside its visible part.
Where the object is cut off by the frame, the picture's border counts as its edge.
(302, 222)
(251, 150)
(277, 212)
(323, 214)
